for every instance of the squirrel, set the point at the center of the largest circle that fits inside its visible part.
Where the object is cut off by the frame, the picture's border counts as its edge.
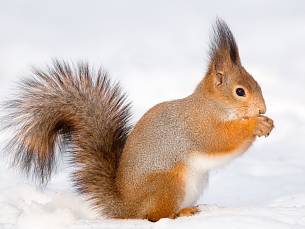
(155, 169)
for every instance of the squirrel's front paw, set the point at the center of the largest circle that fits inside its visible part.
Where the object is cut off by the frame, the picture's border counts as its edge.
(264, 126)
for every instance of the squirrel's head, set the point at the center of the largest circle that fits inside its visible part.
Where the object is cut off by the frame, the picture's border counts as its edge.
(227, 82)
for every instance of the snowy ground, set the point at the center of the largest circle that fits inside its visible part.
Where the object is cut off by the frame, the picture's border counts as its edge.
(149, 46)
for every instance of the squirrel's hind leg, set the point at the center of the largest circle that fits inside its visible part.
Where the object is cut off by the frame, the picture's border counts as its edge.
(166, 193)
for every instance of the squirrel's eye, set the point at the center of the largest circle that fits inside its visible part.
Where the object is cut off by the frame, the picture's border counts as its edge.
(240, 92)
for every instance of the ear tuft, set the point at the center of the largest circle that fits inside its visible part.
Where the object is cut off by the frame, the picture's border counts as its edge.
(223, 47)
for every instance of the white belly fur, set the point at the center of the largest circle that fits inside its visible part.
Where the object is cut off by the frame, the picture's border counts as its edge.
(198, 166)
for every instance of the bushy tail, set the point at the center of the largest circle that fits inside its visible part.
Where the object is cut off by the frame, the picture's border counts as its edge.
(77, 107)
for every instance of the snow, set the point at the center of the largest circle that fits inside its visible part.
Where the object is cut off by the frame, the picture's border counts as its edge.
(149, 47)
(263, 189)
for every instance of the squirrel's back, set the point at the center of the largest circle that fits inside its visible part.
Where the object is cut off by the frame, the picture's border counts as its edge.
(157, 141)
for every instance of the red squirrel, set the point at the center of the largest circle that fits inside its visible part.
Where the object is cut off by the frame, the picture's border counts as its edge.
(159, 167)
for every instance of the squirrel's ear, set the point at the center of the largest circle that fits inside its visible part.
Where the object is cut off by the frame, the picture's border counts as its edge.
(223, 48)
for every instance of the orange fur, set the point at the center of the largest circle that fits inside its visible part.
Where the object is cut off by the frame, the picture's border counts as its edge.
(169, 191)
(231, 136)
